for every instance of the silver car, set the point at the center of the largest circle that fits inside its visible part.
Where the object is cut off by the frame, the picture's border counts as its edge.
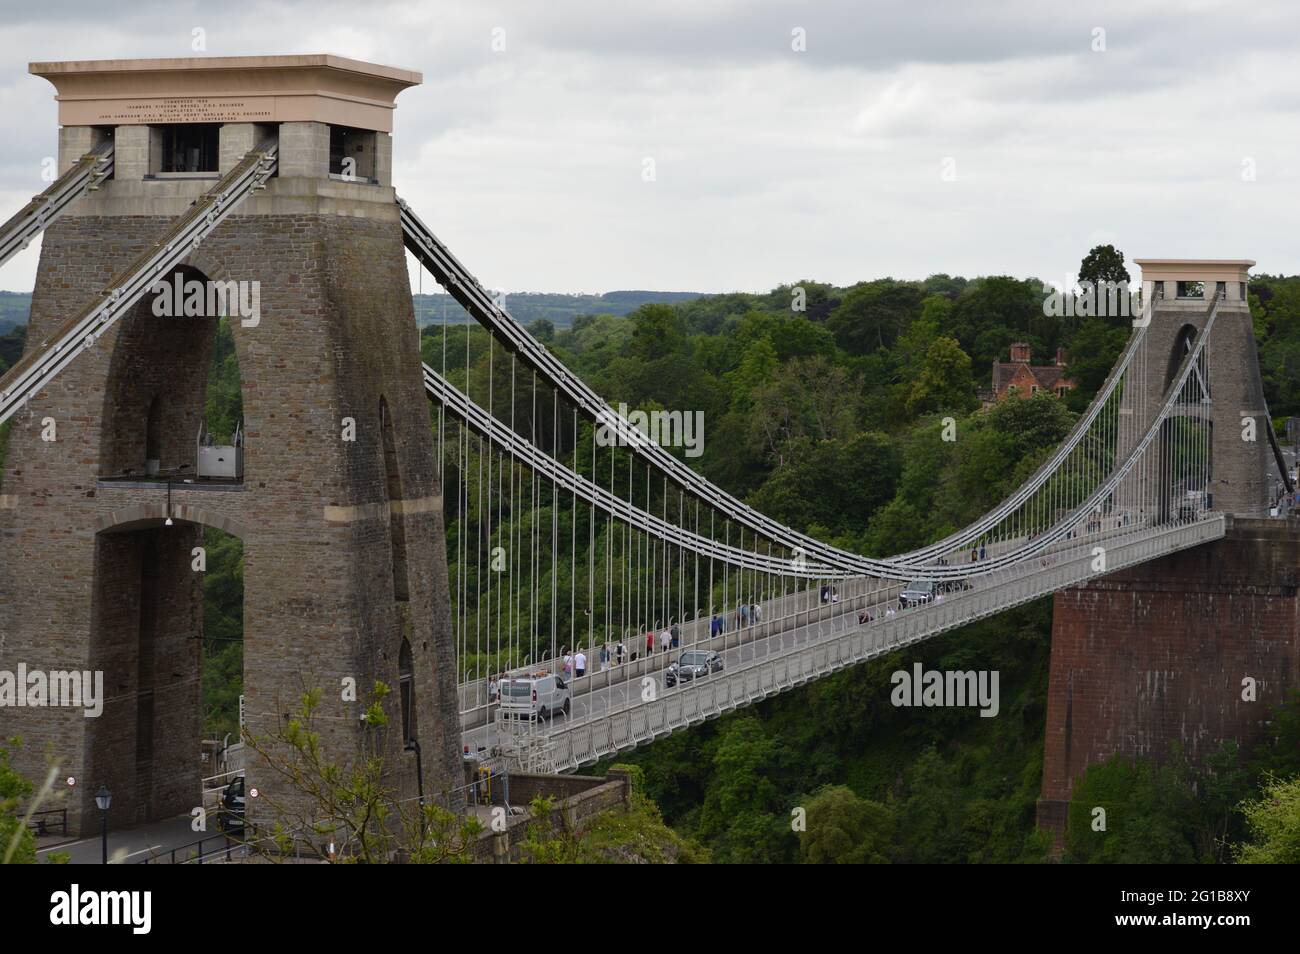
(914, 594)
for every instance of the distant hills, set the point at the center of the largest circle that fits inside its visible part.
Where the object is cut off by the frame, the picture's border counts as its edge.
(558, 309)
(527, 307)
(14, 307)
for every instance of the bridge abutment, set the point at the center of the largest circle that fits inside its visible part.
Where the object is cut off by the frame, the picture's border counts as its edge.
(1162, 653)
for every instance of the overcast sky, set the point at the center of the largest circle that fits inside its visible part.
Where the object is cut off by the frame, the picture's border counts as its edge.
(908, 137)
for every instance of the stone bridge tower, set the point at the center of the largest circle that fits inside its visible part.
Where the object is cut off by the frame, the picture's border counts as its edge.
(1242, 468)
(1191, 649)
(338, 503)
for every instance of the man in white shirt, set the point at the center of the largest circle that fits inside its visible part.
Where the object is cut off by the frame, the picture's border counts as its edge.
(580, 664)
(666, 640)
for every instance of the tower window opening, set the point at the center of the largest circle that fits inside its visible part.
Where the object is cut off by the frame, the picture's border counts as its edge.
(190, 147)
(352, 154)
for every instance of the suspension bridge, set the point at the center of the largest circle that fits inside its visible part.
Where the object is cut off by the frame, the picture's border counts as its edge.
(571, 531)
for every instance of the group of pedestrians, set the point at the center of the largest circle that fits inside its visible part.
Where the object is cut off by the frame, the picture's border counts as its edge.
(575, 664)
(615, 653)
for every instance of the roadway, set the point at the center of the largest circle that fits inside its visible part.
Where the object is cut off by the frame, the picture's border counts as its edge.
(600, 701)
(128, 845)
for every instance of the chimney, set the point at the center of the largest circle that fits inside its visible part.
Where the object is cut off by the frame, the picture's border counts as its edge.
(1061, 358)
(1020, 352)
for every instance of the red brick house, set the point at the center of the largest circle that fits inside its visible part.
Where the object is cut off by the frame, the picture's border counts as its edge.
(1027, 379)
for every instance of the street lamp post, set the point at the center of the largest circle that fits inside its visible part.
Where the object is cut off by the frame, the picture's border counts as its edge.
(413, 745)
(103, 800)
(170, 477)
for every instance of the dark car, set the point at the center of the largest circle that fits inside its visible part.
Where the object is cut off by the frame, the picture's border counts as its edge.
(231, 818)
(692, 664)
(916, 594)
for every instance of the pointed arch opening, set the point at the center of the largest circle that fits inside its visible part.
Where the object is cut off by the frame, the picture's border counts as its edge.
(173, 403)
(406, 683)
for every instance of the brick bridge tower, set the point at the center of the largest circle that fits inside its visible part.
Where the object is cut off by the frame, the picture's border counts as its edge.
(337, 500)
(1164, 653)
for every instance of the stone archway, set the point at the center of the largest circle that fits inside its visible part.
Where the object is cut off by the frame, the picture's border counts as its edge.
(146, 636)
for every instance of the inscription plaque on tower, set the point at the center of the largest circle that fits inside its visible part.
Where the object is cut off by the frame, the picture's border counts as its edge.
(199, 109)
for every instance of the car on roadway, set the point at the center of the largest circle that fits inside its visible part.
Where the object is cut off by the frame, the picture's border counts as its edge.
(231, 817)
(692, 664)
(916, 593)
(539, 695)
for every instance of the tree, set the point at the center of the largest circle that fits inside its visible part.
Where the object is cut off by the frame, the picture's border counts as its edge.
(757, 367)
(844, 829)
(852, 479)
(740, 810)
(543, 329)
(1150, 814)
(1093, 351)
(930, 813)
(945, 383)
(223, 633)
(872, 314)
(1274, 823)
(915, 341)
(548, 841)
(657, 330)
(17, 844)
(17, 841)
(1102, 269)
(11, 346)
(1279, 753)
(995, 311)
(354, 806)
(223, 406)
(1104, 263)
(812, 398)
(1275, 306)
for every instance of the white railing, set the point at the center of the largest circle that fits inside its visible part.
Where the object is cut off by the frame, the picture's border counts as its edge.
(688, 704)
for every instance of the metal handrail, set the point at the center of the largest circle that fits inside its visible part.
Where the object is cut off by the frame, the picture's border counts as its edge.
(640, 722)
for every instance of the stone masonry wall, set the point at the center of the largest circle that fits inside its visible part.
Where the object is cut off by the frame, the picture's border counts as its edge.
(336, 334)
(1156, 655)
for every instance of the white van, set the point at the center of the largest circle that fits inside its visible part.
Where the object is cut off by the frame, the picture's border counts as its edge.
(537, 694)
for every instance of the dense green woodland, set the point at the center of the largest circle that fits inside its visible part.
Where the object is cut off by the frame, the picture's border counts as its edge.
(827, 418)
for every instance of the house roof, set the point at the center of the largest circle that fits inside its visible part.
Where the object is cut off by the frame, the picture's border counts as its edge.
(1024, 376)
